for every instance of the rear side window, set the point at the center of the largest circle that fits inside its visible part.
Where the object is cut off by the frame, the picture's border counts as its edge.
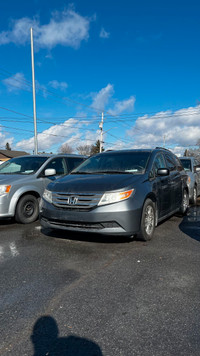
(73, 162)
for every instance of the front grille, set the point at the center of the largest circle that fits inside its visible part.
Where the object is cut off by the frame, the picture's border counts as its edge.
(78, 201)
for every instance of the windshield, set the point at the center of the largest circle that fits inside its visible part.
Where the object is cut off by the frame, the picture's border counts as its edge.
(186, 164)
(22, 165)
(114, 162)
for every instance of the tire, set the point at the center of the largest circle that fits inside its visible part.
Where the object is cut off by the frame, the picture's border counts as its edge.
(193, 200)
(27, 209)
(185, 203)
(148, 220)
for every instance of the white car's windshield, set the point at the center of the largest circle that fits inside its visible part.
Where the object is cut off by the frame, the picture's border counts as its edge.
(22, 165)
(115, 162)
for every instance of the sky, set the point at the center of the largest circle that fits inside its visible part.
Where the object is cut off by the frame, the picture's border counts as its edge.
(135, 61)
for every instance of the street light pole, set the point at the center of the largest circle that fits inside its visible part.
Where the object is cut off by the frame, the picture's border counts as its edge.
(34, 100)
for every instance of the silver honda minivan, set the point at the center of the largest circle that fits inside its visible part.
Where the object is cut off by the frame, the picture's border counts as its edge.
(23, 180)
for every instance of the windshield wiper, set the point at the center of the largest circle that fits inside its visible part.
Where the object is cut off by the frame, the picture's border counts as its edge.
(104, 172)
(112, 172)
(9, 173)
(81, 172)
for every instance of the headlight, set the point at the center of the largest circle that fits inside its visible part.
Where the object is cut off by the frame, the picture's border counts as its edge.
(109, 198)
(47, 195)
(4, 189)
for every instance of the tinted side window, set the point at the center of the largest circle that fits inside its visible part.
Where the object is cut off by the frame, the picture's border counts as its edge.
(159, 162)
(171, 162)
(59, 165)
(73, 162)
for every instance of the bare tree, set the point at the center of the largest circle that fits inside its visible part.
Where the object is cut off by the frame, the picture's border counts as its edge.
(66, 148)
(193, 153)
(84, 149)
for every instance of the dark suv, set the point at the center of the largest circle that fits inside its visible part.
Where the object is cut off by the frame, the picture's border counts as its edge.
(117, 193)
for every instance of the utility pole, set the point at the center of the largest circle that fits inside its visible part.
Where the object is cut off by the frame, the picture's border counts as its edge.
(34, 101)
(164, 141)
(101, 133)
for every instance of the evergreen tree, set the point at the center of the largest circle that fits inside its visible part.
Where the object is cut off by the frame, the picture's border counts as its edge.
(8, 146)
(96, 148)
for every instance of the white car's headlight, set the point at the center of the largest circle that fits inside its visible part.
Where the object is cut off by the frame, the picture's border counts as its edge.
(110, 198)
(47, 195)
(4, 189)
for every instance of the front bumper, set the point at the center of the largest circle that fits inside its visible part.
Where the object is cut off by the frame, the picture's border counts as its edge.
(113, 219)
(4, 206)
(191, 191)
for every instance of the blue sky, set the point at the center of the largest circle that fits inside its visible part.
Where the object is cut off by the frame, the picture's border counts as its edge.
(138, 61)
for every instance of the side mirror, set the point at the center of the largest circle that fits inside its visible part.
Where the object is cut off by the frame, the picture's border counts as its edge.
(197, 169)
(49, 172)
(162, 172)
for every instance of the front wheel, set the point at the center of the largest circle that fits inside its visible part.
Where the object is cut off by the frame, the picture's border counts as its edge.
(27, 209)
(194, 196)
(148, 219)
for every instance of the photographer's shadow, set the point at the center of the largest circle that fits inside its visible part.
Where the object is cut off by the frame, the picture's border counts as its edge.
(46, 341)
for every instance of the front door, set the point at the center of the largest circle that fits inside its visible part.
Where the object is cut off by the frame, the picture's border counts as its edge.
(161, 187)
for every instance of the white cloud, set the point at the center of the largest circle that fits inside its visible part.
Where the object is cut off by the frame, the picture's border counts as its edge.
(55, 135)
(104, 33)
(16, 82)
(102, 97)
(4, 138)
(124, 105)
(177, 130)
(66, 28)
(55, 84)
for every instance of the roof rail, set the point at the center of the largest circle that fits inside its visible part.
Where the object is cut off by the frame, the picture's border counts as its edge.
(162, 148)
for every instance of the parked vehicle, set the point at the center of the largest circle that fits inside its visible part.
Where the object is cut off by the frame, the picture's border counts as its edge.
(23, 180)
(117, 193)
(192, 168)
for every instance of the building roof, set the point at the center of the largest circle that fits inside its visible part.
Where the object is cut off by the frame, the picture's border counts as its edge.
(11, 154)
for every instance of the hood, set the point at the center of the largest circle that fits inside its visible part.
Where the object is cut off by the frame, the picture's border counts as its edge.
(13, 178)
(78, 183)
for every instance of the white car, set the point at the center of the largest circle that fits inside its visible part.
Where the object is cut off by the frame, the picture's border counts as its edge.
(23, 180)
(192, 168)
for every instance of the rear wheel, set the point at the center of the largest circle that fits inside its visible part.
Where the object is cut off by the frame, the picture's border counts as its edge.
(148, 219)
(27, 209)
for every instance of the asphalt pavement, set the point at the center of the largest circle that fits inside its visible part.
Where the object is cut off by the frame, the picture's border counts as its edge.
(83, 295)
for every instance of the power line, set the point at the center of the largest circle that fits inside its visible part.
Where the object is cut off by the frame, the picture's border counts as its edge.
(119, 117)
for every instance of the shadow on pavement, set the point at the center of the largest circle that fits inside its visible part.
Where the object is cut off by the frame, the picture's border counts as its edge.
(8, 221)
(46, 341)
(190, 224)
(89, 237)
